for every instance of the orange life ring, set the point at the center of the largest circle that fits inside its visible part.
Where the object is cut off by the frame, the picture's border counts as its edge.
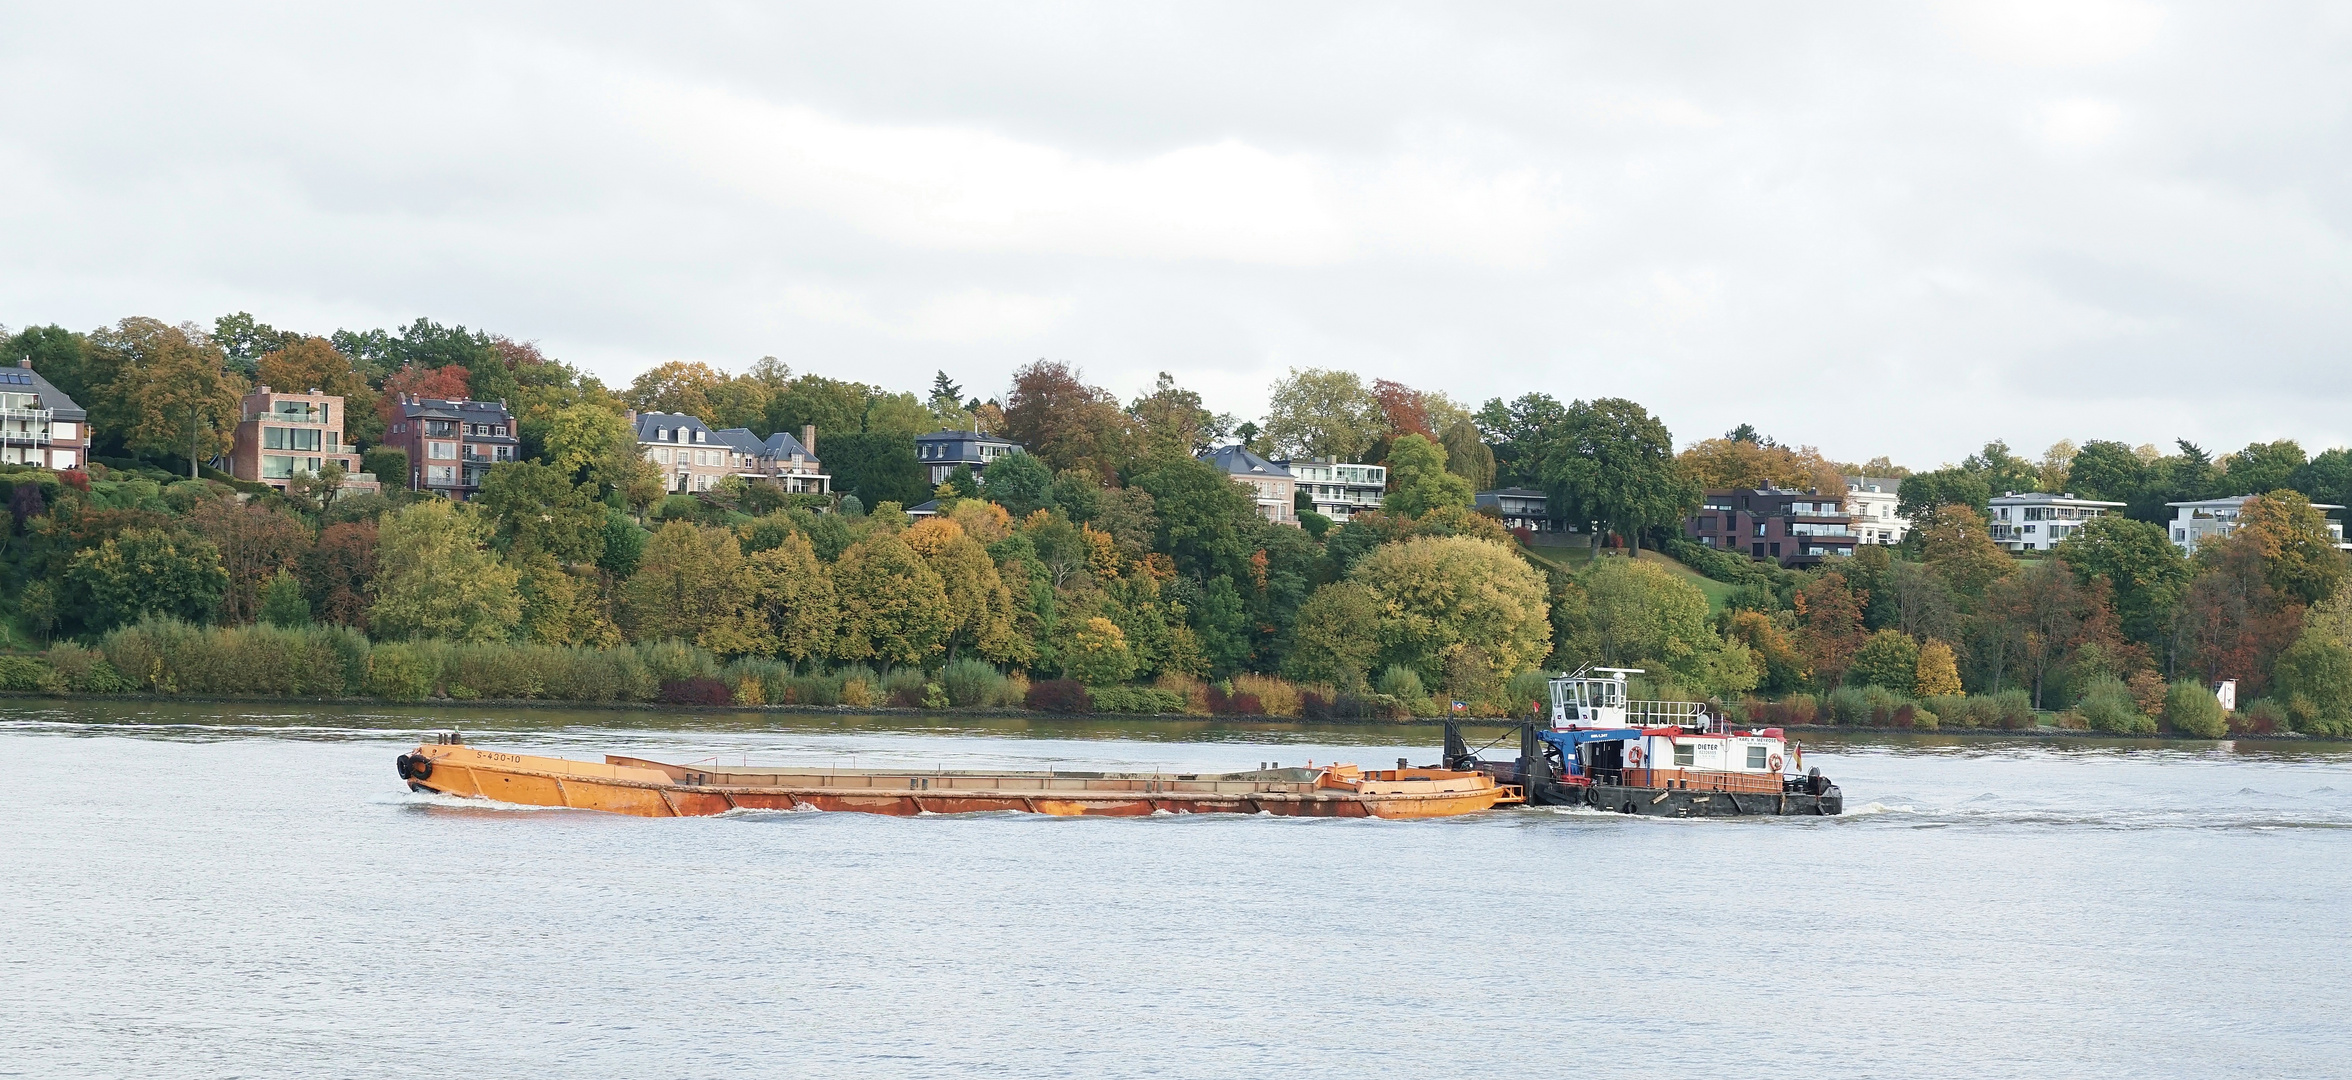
(1776, 763)
(1633, 757)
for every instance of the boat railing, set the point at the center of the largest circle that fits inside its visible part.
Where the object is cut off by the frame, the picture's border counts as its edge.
(1665, 714)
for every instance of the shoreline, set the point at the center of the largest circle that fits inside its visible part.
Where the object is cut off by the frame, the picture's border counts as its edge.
(2043, 733)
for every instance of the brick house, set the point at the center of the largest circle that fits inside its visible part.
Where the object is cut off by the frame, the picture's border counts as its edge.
(1794, 528)
(283, 435)
(1271, 486)
(451, 444)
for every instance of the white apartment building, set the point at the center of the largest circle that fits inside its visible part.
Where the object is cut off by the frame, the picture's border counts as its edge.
(2036, 521)
(1339, 489)
(1870, 501)
(2194, 522)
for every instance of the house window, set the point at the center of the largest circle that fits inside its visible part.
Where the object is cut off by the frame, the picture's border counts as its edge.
(498, 430)
(277, 466)
(441, 451)
(1776, 549)
(441, 474)
(1685, 755)
(1759, 546)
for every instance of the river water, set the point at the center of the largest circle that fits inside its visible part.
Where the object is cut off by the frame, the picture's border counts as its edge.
(213, 891)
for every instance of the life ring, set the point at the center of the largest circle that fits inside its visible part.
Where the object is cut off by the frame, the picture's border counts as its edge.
(1633, 757)
(1776, 763)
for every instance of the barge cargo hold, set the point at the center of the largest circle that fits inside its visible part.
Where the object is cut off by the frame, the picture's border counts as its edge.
(627, 785)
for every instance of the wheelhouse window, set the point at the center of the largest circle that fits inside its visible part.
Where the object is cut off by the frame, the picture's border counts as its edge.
(1757, 757)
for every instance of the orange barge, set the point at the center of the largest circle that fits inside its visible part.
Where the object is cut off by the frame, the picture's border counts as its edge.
(626, 785)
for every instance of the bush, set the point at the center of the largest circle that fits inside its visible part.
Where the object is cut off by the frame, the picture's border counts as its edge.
(1137, 700)
(85, 671)
(1530, 688)
(2013, 711)
(1276, 697)
(400, 672)
(696, 690)
(972, 684)
(2107, 705)
(1404, 684)
(857, 693)
(818, 689)
(1889, 659)
(1319, 704)
(1191, 691)
(903, 688)
(2264, 717)
(1059, 696)
(172, 657)
(1796, 710)
(28, 675)
(2192, 710)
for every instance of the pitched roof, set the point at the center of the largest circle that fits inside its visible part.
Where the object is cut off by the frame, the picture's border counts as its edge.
(649, 423)
(783, 445)
(1237, 461)
(471, 411)
(740, 440)
(948, 434)
(21, 379)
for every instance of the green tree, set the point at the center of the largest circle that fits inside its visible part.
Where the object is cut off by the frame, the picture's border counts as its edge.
(1521, 434)
(893, 605)
(1467, 455)
(2109, 471)
(1201, 516)
(436, 578)
(2299, 556)
(1888, 658)
(2001, 469)
(562, 607)
(2327, 478)
(876, 468)
(244, 340)
(534, 507)
(2148, 574)
(1418, 479)
(2315, 676)
(1020, 483)
(1614, 464)
(140, 572)
(1318, 412)
(1638, 614)
(1336, 638)
(834, 407)
(2262, 467)
(590, 444)
(1438, 594)
(1923, 493)
(1171, 422)
(980, 609)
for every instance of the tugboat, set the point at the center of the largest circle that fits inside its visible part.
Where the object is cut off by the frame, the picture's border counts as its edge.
(1660, 758)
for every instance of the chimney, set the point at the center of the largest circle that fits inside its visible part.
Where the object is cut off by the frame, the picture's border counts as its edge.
(808, 438)
(24, 361)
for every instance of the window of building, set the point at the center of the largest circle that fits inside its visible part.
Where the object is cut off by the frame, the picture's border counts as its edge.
(1757, 758)
(1685, 755)
(1760, 528)
(698, 437)
(498, 430)
(1759, 548)
(441, 451)
(277, 466)
(1776, 549)
(441, 474)
(441, 429)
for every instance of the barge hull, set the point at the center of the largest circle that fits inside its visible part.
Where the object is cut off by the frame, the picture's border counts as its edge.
(1692, 802)
(650, 789)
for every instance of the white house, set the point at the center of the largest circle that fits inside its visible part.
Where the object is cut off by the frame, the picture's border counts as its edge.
(1339, 489)
(2036, 521)
(2193, 522)
(1871, 502)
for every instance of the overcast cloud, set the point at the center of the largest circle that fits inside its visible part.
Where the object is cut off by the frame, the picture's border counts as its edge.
(1874, 228)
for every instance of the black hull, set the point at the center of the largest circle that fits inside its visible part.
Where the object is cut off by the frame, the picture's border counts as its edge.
(1658, 802)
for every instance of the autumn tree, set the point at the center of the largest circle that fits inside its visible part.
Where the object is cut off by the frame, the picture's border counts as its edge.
(163, 391)
(1640, 614)
(1439, 593)
(436, 578)
(1830, 615)
(1954, 542)
(893, 605)
(1171, 422)
(677, 386)
(690, 586)
(1418, 479)
(980, 610)
(563, 605)
(1937, 673)
(338, 572)
(440, 384)
(793, 601)
(256, 543)
(2291, 537)
(1718, 464)
(1065, 422)
(307, 363)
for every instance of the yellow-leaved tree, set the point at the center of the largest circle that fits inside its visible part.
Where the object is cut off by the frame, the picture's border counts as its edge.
(893, 606)
(690, 585)
(980, 608)
(1938, 672)
(437, 578)
(1438, 592)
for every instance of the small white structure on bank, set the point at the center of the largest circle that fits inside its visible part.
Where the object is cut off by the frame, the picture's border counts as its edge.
(2194, 522)
(2036, 521)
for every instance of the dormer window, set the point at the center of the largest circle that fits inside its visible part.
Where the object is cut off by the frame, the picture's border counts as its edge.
(698, 436)
(661, 434)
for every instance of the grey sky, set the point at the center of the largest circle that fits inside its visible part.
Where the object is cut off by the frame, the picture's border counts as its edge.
(1875, 228)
